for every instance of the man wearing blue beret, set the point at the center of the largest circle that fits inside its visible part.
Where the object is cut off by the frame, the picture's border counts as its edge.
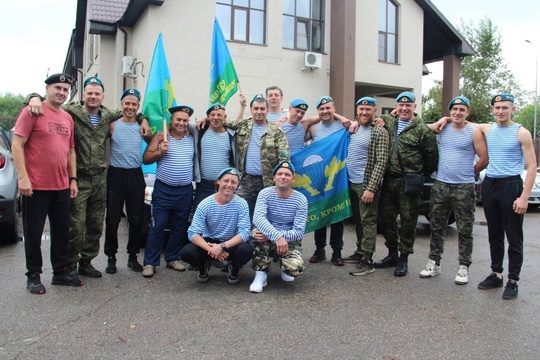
(413, 155)
(294, 126)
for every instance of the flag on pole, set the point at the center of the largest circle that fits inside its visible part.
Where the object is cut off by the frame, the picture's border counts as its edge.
(321, 175)
(223, 78)
(159, 95)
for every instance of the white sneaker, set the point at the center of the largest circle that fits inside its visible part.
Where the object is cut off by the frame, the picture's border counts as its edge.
(432, 269)
(286, 278)
(259, 282)
(462, 277)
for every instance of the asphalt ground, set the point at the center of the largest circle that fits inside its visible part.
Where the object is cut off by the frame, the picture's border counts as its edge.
(324, 314)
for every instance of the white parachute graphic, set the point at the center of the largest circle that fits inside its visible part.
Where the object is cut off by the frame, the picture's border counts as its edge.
(314, 168)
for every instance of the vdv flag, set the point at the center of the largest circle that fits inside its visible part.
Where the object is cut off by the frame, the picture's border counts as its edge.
(159, 95)
(322, 177)
(223, 78)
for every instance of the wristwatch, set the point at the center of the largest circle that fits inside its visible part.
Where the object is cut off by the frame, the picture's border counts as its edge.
(223, 246)
(76, 178)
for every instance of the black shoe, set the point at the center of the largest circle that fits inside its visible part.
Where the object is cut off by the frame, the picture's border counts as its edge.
(34, 285)
(388, 261)
(134, 264)
(85, 268)
(192, 268)
(336, 259)
(318, 256)
(353, 259)
(510, 291)
(111, 265)
(401, 266)
(66, 277)
(203, 272)
(491, 282)
(232, 276)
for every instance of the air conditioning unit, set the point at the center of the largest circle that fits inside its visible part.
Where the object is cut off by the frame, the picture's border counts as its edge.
(311, 60)
(128, 68)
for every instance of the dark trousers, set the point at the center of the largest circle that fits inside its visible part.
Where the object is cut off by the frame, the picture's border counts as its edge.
(35, 209)
(196, 256)
(249, 189)
(336, 236)
(498, 196)
(203, 189)
(124, 186)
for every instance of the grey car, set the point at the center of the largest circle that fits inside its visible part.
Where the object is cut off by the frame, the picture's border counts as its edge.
(9, 193)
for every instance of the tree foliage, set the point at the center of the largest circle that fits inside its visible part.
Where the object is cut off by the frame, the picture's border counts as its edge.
(525, 117)
(483, 74)
(10, 106)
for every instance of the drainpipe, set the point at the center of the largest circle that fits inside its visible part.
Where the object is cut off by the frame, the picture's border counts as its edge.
(125, 51)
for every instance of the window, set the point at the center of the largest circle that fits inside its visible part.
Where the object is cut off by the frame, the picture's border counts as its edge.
(303, 25)
(242, 20)
(388, 27)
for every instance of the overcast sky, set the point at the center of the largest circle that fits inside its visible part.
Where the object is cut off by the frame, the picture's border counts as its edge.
(35, 34)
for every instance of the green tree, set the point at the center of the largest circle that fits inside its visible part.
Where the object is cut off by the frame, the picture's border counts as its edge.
(483, 74)
(10, 106)
(525, 117)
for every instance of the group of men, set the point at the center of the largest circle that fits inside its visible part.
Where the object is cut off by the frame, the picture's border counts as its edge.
(244, 205)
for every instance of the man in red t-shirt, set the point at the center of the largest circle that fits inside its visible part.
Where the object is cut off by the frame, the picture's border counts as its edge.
(44, 155)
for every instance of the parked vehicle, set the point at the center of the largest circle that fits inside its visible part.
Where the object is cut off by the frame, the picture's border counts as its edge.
(9, 193)
(534, 198)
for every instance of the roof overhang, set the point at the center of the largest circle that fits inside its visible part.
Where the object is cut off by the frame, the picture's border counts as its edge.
(135, 9)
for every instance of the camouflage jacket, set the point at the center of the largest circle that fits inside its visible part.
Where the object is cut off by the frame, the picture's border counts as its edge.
(274, 147)
(417, 147)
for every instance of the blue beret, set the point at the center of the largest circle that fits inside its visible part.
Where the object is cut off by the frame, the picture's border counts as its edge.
(59, 78)
(132, 92)
(406, 97)
(299, 104)
(229, 170)
(94, 80)
(183, 108)
(459, 100)
(257, 98)
(215, 106)
(283, 164)
(502, 97)
(324, 100)
(366, 100)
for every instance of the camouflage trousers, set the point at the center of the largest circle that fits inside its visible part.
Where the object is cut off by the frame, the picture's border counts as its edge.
(87, 216)
(291, 263)
(461, 199)
(394, 202)
(365, 218)
(249, 189)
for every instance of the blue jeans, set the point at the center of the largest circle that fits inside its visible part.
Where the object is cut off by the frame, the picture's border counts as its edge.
(170, 205)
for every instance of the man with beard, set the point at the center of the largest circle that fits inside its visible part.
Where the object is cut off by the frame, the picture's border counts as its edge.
(366, 162)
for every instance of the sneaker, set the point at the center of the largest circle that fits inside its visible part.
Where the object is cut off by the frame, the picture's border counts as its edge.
(67, 278)
(111, 265)
(34, 285)
(176, 265)
(86, 269)
(318, 256)
(203, 272)
(510, 291)
(462, 276)
(491, 282)
(363, 267)
(193, 268)
(353, 259)
(285, 277)
(259, 282)
(148, 271)
(232, 276)
(134, 264)
(336, 259)
(431, 270)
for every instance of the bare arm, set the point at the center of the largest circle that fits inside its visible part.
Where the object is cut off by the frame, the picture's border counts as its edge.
(480, 148)
(17, 147)
(525, 139)
(243, 104)
(72, 172)
(155, 149)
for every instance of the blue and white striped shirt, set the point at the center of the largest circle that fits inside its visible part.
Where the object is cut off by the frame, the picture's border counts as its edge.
(402, 125)
(221, 222)
(276, 217)
(253, 154)
(94, 119)
(215, 149)
(504, 151)
(295, 135)
(456, 155)
(323, 129)
(126, 144)
(357, 154)
(175, 168)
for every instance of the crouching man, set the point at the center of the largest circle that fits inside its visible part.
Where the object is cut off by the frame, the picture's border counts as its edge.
(280, 221)
(220, 230)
